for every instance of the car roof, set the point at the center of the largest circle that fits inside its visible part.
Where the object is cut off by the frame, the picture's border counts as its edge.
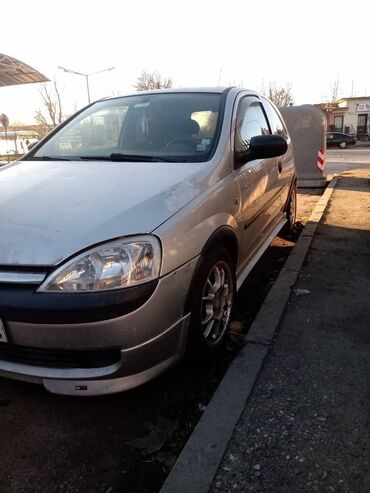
(215, 90)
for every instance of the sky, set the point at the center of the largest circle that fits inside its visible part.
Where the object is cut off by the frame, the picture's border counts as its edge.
(195, 42)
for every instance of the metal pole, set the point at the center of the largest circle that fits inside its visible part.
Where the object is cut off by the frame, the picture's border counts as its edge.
(86, 77)
(6, 142)
(88, 89)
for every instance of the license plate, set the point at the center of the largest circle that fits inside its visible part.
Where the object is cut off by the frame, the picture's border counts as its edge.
(3, 337)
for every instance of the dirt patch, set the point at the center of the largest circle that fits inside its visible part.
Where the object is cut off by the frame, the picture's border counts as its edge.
(307, 198)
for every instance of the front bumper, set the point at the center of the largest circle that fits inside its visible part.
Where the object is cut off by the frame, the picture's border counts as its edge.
(147, 340)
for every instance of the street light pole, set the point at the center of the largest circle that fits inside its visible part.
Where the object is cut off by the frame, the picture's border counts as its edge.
(86, 77)
(88, 89)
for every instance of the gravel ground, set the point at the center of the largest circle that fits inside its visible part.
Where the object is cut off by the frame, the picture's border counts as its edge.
(306, 426)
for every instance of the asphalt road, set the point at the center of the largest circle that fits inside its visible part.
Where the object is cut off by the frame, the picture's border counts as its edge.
(340, 160)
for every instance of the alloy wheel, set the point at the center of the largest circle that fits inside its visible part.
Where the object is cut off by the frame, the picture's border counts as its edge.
(217, 300)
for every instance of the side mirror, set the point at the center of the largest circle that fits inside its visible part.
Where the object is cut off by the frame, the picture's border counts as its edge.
(262, 147)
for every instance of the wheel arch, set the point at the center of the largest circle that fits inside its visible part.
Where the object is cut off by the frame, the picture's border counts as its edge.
(292, 185)
(222, 237)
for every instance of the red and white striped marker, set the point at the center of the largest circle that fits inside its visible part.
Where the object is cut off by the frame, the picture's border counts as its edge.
(320, 161)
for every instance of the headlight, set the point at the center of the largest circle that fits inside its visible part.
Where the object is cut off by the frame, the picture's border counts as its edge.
(113, 265)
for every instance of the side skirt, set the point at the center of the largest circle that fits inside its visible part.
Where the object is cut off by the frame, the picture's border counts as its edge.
(242, 275)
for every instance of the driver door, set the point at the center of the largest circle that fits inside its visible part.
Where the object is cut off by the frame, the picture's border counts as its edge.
(260, 201)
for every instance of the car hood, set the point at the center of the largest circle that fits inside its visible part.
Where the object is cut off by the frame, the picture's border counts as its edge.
(51, 210)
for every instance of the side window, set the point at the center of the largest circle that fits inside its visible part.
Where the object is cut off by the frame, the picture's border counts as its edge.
(250, 121)
(277, 126)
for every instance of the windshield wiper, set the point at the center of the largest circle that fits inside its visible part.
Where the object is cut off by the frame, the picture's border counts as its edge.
(117, 156)
(46, 158)
(134, 157)
(171, 159)
(130, 157)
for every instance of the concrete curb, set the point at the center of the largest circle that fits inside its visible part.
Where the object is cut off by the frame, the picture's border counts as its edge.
(198, 462)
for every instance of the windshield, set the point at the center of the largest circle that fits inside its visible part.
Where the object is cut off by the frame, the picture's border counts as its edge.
(169, 126)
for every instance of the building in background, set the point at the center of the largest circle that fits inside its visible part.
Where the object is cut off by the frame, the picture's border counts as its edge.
(351, 116)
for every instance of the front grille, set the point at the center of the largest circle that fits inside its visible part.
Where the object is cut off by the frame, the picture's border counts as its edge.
(24, 276)
(59, 358)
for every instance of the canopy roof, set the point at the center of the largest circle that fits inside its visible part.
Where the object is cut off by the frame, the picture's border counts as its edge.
(14, 72)
(13, 134)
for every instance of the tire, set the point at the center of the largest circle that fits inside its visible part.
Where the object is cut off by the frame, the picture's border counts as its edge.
(291, 211)
(212, 299)
(342, 145)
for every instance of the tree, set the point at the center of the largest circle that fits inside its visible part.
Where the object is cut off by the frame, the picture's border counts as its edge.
(331, 102)
(280, 95)
(4, 121)
(152, 80)
(51, 115)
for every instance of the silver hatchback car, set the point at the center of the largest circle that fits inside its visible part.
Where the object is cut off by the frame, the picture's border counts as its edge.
(125, 233)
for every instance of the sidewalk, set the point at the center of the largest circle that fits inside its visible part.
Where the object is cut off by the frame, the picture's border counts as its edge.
(306, 425)
(361, 143)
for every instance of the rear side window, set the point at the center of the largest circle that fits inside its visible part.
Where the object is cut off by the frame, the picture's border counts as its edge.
(276, 124)
(250, 122)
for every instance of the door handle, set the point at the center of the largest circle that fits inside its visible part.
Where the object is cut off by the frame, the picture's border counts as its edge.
(280, 166)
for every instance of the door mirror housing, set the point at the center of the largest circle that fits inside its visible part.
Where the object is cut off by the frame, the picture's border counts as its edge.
(262, 147)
